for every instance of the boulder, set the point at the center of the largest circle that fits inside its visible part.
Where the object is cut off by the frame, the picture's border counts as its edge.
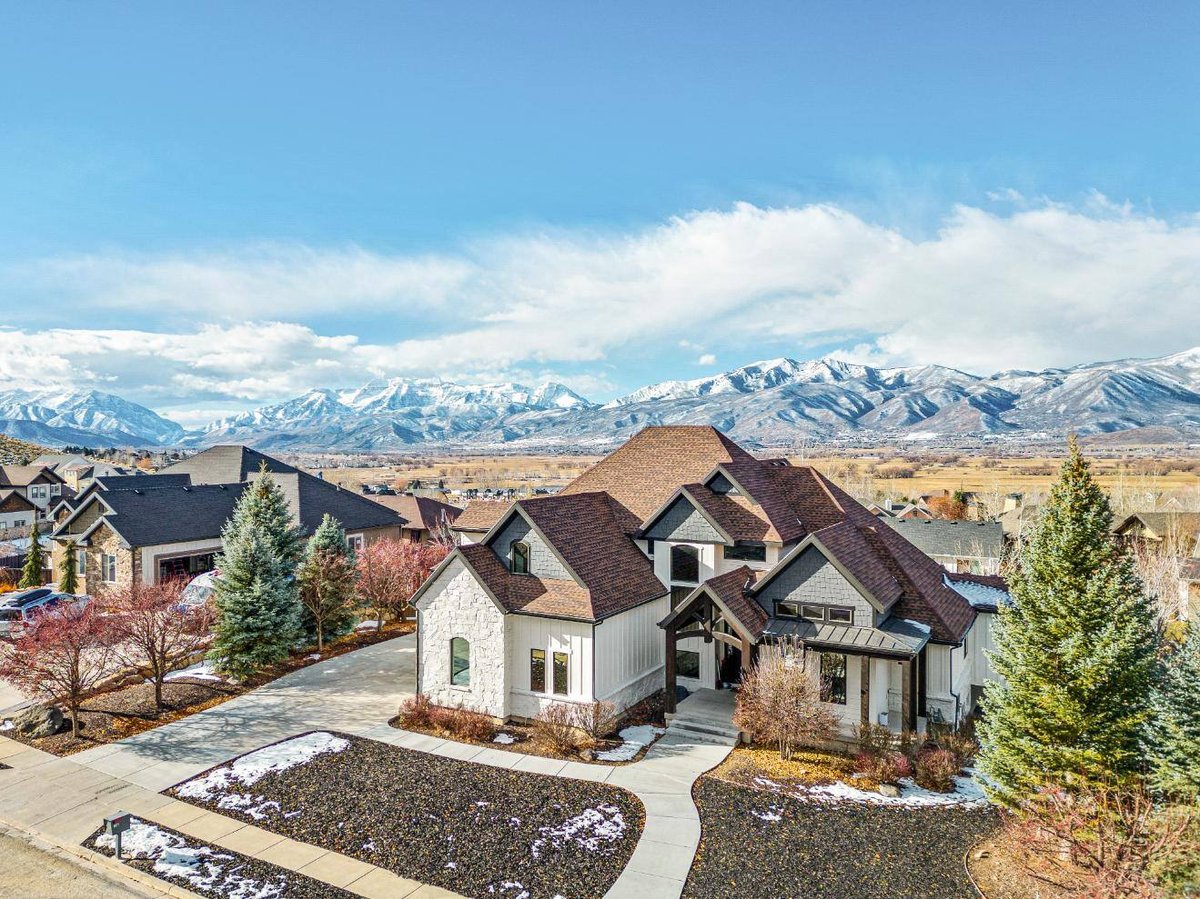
(890, 790)
(587, 755)
(39, 721)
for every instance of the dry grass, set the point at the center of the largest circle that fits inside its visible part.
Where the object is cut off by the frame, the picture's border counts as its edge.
(808, 768)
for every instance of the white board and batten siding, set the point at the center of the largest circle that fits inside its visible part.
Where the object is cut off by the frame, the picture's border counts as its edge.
(529, 632)
(629, 654)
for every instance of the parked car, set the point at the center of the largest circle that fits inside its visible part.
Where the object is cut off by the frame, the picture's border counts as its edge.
(18, 610)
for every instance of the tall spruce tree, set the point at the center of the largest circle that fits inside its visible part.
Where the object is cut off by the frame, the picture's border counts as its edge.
(258, 607)
(35, 560)
(327, 581)
(68, 569)
(1175, 725)
(1076, 651)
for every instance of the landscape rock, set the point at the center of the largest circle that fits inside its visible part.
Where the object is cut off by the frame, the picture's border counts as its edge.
(40, 721)
(890, 790)
(587, 755)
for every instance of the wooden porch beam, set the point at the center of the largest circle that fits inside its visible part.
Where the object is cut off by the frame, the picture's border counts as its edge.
(669, 699)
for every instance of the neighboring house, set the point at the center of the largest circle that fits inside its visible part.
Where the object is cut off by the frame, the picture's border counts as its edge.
(1018, 518)
(16, 511)
(477, 519)
(964, 547)
(78, 471)
(36, 483)
(670, 563)
(424, 516)
(1171, 532)
(149, 528)
(912, 512)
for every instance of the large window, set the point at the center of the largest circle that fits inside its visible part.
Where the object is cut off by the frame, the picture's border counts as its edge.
(518, 555)
(109, 566)
(687, 663)
(833, 678)
(747, 552)
(562, 679)
(460, 662)
(685, 564)
(537, 670)
(80, 561)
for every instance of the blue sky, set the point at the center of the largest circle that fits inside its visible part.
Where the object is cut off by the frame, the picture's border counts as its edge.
(223, 204)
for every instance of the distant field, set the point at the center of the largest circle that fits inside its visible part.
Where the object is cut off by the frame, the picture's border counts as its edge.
(865, 475)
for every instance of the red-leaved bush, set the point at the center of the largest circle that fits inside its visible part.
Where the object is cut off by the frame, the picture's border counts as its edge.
(935, 769)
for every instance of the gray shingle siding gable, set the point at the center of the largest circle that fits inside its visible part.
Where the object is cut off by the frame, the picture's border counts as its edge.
(542, 561)
(812, 578)
(683, 523)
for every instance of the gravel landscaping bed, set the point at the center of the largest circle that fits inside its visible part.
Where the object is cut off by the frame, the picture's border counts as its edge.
(208, 870)
(763, 845)
(474, 829)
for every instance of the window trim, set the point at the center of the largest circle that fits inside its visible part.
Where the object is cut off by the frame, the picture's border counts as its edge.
(780, 603)
(465, 669)
(806, 610)
(565, 658)
(694, 551)
(356, 542)
(829, 610)
(533, 657)
(737, 552)
(513, 554)
(108, 568)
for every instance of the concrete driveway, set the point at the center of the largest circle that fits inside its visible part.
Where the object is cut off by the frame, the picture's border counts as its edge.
(353, 692)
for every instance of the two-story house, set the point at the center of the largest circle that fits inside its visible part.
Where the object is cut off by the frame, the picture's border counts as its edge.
(670, 563)
(39, 485)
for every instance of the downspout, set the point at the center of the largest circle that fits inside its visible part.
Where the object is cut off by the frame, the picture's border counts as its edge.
(952, 693)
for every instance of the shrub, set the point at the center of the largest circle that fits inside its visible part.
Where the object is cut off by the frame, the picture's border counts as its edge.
(417, 712)
(596, 719)
(887, 767)
(962, 746)
(467, 724)
(555, 725)
(873, 739)
(935, 769)
(779, 702)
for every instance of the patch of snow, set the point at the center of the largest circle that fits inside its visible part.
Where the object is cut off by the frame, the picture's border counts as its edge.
(252, 767)
(199, 671)
(979, 595)
(771, 815)
(510, 886)
(635, 740)
(312, 657)
(967, 791)
(369, 846)
(201, 867)
(371, 625)
(504, 738)
(594, 830)
(7, 724)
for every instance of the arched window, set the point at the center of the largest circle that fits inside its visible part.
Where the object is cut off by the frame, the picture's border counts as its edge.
(460, 662)
(518, 555)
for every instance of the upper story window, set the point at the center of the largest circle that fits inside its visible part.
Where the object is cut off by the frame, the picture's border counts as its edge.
(685, 564)
(747, 552)
(518, 557)
(650, 547)
(811, 612)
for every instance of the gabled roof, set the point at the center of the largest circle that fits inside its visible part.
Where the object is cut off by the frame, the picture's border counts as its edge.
(24, 475)
(1163, 524)
(524, 594)
(139, 481)
(648, 468)
(160, 515)
(480, 515)
(422, 512)
(938, 537)
(729, 591)
(311, 499)
(226, 464)
(13, 501)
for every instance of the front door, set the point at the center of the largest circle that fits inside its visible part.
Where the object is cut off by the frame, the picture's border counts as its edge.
(731, 666)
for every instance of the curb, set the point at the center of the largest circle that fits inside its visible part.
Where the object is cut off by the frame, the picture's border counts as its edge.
(107, 863)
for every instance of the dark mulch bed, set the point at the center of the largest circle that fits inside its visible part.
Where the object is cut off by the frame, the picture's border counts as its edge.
(827, 849)
(474, 829)
(118, 714)
(252, 876)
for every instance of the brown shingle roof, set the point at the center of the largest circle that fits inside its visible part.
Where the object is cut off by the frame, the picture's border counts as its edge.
(24, 475)
(656, 461)
(420, 512)
(523, 593)
(731, 588)
(480, 515)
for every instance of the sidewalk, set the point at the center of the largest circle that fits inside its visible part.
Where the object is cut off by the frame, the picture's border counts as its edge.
(63, 802)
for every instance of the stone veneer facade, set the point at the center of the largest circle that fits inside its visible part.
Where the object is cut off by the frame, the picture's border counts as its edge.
(461, 608)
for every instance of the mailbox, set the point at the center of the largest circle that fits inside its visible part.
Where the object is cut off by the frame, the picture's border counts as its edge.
(115, 825)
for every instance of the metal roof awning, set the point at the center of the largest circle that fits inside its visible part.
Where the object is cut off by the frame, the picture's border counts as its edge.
(895, 637)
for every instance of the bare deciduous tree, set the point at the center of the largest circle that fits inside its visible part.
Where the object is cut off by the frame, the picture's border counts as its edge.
(780, 702)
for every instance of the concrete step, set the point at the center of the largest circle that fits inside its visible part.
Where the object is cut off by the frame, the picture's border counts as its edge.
(699, 728)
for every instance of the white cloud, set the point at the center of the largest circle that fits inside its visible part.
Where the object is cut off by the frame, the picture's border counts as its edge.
(1047, 284)
(707, 359)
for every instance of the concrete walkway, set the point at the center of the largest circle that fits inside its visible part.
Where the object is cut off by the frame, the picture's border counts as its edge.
(357, 693)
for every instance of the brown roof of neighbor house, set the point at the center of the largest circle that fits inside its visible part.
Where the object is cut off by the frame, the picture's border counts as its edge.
(24, 475)
(480, 515)
(12, 501)
(1164, 524)
(646, 470)
(419, 512)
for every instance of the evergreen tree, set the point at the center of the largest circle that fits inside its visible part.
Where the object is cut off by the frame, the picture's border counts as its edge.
(1076, 651)
(327, 583)
(258, 608)
(1175, 725)
(68, 574)
(35, 560)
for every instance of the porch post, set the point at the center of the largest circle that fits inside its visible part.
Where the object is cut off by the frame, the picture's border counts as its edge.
(906, 697)
(669, 699)
(865, 691)
(747, 652)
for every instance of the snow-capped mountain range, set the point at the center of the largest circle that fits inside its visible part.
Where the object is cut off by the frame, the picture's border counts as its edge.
(772, 403)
